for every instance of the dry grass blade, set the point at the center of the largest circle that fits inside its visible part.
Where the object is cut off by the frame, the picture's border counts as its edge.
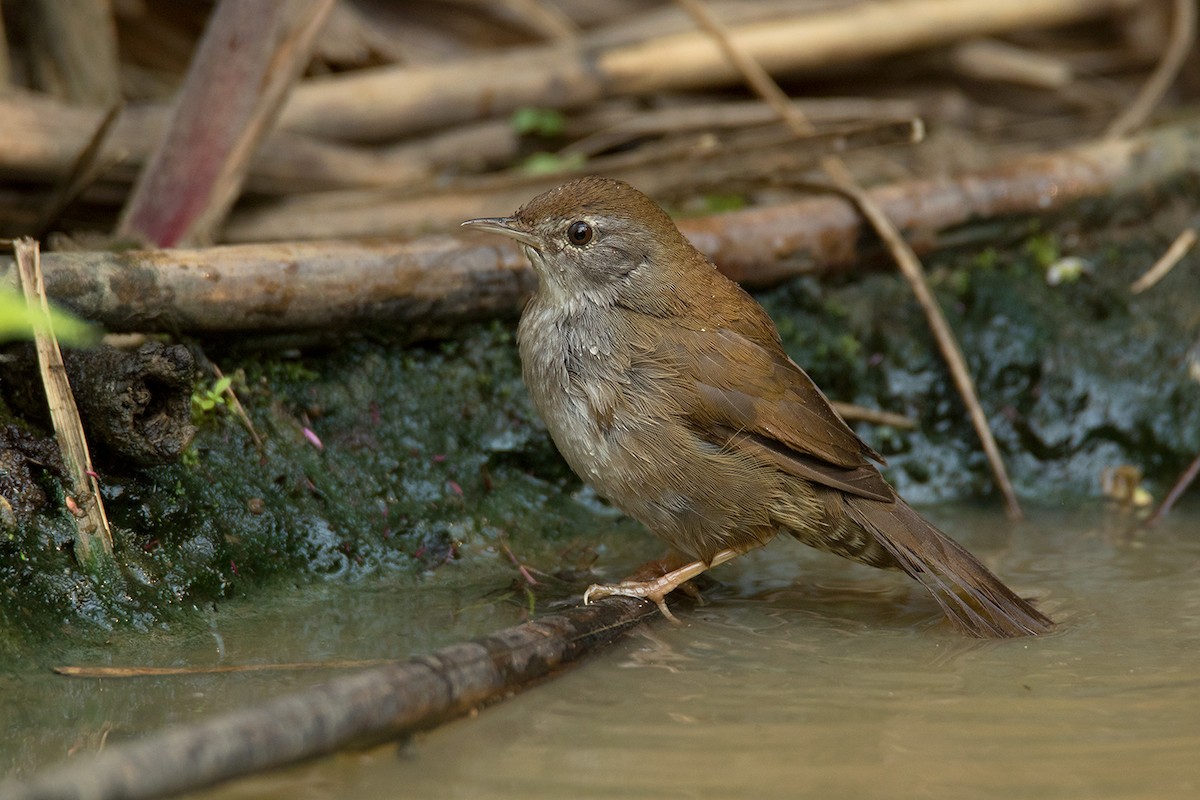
(906, 259)
(240, 412)
(84, 503)
(1183, 34)
(1175, 253)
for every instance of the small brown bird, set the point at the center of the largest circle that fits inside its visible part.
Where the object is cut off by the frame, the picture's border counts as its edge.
(667, 389)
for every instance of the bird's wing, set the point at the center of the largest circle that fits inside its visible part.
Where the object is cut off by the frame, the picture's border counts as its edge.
(749, 395)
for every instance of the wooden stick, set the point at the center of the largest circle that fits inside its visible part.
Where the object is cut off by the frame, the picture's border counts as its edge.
(906, 259)
(422, 287)
(41, 138)
(246, 61)
(608, 129)
(1175, 253)
(84, 503)
(375, 104)
(427, 286)
(373, 705)
(715, 163)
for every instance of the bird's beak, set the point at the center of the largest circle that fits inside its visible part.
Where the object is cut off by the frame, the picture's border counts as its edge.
(505, 226)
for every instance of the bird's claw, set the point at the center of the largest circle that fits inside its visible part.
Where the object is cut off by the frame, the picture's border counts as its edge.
(647, 590)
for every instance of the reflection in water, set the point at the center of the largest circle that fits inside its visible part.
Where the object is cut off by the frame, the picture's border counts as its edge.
(802, 676)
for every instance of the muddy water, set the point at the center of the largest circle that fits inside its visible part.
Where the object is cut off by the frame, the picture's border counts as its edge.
(802, 677)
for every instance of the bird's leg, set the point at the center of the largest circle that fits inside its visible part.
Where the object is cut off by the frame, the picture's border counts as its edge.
(658, 588)
(657, 567)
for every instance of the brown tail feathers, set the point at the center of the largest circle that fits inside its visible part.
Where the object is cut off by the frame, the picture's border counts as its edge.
(974, 599)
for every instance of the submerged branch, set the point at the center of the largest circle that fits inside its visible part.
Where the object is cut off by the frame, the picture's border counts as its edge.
(368, 706)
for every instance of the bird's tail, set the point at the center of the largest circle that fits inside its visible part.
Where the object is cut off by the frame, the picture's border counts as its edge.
(974, 599)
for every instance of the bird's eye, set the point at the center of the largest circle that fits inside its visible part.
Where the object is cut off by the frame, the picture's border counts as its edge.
(580, 233)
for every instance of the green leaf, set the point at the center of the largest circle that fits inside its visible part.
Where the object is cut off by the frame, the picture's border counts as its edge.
(548, 163)
(222, 385)
(18, 322)
(537, 122)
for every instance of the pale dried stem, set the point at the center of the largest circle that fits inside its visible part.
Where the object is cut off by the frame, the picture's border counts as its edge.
(906, 259)
(1175, 253)
(1183, 34)
(992, 60)
(375, 104)
(74, 671)
(239, 411)
(86, 169)
(854, 413)
(84, 502)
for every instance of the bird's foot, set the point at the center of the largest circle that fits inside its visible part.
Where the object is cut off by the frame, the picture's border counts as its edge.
(655, 590)
(658, 588)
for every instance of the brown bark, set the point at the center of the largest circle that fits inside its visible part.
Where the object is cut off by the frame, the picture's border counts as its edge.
(135, 405)
(413, 288)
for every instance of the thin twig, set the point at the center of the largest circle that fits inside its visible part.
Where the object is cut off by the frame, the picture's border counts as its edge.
(1181, 485)
(83, 502)
(1175, 253)
(240, 411)
(854, 413)
(1183, 33)
(72, 671)
(87, 167)
(906, 259)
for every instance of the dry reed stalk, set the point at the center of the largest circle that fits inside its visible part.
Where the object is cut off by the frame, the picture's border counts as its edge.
(84, 503)
(1183, 35)
(380, 103)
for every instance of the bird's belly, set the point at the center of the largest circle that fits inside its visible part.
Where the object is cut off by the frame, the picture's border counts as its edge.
(687, 493)
(595, 455)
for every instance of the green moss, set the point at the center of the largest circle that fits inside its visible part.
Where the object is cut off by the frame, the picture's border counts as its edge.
(1074, 378)
(414, 458)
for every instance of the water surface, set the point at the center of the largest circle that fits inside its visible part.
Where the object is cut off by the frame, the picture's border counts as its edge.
(802, 677)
